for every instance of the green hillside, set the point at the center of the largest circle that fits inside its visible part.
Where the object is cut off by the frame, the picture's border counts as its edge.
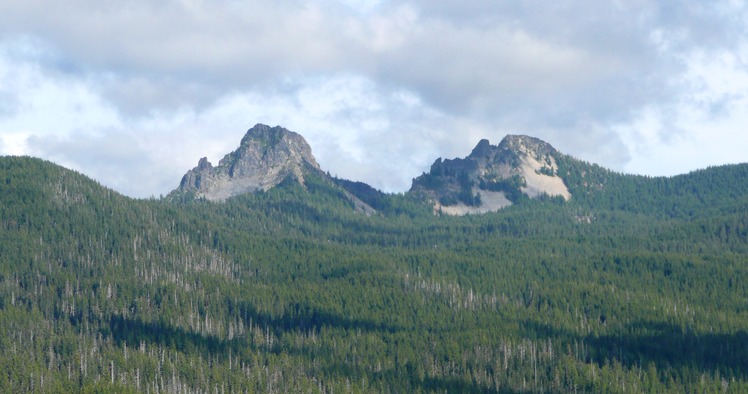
(636, 284)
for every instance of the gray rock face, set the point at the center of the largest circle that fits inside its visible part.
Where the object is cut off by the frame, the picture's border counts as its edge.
(492, 177)
(266, 156)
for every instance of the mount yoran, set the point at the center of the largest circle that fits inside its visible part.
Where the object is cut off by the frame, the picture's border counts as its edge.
(490, 178)
(516, 269)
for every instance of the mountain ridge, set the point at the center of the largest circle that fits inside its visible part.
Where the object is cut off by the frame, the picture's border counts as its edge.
(584, 181)
(488, 179)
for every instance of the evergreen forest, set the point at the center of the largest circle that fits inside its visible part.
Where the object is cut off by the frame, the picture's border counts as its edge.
(637, 284)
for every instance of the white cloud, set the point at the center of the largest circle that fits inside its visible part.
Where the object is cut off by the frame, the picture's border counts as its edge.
(705, 127)
(45, 103)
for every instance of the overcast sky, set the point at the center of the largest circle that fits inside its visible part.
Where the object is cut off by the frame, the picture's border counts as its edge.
(133, 93)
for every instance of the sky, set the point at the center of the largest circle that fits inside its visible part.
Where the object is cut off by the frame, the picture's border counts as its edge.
(134, 93)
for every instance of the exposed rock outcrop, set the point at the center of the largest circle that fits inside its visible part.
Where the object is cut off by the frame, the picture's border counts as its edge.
(492, 177)
(266, 156)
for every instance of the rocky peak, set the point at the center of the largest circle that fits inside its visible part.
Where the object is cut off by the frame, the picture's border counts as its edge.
(523, 144)
(266, 135)
(482, 149)
(265, 157)
(204, 164)
(493, 176)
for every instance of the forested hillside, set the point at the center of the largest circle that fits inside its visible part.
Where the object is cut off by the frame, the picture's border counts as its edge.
(635, 284)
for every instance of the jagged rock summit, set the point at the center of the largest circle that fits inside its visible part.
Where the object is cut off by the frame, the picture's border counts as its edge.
(492, 177)
(266, 156)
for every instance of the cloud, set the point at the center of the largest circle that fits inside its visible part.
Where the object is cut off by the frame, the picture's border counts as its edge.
(380, 89)
(704, 127)
(176, 54)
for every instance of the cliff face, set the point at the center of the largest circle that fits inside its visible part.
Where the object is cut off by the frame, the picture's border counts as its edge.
(492, 177)
(266, 156)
